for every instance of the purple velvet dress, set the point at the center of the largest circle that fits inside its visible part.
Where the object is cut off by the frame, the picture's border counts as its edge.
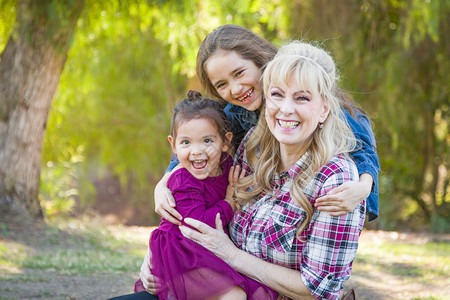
(186, 269)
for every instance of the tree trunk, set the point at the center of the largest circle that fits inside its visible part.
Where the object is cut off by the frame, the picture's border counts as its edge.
(30, 68)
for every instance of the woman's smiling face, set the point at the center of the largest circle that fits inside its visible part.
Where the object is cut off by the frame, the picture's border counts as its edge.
(293, 113)
(237, 80)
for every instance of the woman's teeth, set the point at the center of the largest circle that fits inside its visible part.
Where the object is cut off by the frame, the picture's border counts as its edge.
(288, 124)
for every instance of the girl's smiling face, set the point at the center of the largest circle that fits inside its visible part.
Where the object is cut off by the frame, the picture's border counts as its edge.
(237, 80)
(199, 146)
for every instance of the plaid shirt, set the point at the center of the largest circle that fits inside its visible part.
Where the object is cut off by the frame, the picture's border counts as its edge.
(267, 227)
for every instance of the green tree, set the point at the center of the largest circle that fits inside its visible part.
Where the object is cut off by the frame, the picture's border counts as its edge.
(30, 67)
(130, 61)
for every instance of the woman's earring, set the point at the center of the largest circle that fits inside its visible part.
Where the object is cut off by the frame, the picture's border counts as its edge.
(321, 125)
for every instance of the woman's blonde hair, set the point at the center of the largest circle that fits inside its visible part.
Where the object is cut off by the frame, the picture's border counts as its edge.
(315, 71)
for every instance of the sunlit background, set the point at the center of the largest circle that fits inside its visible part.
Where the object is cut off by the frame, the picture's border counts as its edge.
(130, 61)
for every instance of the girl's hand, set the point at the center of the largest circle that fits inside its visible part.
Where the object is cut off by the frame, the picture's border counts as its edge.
(235, 174)
(233, 178)
(165, 203)
(148, 280)
(215, 240)
(345, 197)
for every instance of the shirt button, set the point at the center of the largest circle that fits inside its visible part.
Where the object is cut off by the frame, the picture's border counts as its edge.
(329, 277)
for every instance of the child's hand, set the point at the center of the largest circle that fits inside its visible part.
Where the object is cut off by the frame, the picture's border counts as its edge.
(233, 178)
(345, 197)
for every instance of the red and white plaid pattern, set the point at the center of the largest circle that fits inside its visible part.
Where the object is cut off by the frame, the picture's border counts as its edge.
(267, 227)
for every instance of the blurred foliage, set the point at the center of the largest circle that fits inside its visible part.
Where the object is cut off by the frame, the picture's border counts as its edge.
(131, 61)
(7, 18)
(129, 64)
(59, 186)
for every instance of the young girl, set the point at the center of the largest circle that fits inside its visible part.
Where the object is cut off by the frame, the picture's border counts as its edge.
(200, 139)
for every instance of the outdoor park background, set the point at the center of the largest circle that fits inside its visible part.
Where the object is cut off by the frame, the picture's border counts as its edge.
(122, 66)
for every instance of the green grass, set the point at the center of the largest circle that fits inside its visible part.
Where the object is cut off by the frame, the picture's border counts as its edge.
(414, 262)
(84, 262)
(10, 254)
(84, 249)
(405, 263)
(8, 298)
(22, 278)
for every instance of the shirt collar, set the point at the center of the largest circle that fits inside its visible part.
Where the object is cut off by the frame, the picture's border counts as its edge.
(300, 165)
(240, 110)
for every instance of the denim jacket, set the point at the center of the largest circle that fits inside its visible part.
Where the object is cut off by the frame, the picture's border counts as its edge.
(365, 155)
(241, 120)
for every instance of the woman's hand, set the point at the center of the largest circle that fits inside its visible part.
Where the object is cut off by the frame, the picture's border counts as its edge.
(165, 203)
(345, 197)
(281, 279)
(215, 240)
(148, 280)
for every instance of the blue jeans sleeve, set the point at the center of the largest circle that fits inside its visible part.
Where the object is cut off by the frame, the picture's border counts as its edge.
(365, 156)
(173, 163)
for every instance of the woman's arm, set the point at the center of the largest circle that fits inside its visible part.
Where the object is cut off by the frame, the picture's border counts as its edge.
(281, 279)
(332, 242)
(325, 259)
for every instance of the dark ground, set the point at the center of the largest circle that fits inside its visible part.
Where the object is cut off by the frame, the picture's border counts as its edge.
(47, 284)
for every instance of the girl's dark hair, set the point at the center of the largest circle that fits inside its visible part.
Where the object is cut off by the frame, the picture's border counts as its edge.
(197, 107)
(244, 42)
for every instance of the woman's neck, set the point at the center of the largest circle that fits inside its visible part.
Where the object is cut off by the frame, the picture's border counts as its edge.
(290, 155)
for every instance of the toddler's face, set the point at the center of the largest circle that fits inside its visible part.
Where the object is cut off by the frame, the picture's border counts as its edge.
(199, 146)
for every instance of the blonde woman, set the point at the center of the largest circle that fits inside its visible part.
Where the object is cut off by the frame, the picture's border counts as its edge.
(297, 153)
